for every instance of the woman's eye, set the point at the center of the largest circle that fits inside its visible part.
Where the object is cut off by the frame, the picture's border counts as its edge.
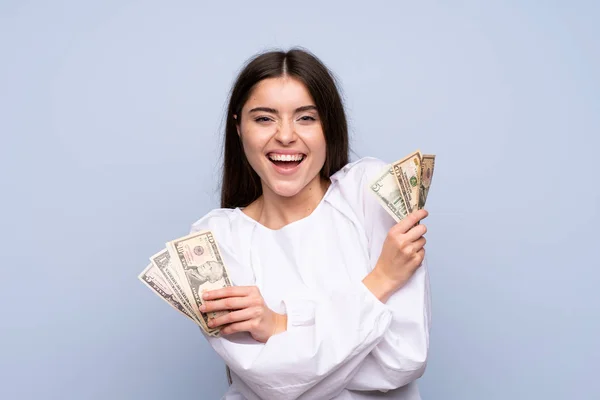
(262, 119)
(307, 118)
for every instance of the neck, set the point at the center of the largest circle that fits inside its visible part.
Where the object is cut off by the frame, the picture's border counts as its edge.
(275, 211)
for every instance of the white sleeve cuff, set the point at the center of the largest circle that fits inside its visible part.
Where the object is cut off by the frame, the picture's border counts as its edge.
(300, 310)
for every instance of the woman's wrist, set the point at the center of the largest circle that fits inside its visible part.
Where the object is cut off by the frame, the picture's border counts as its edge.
(280, 324)
(379, 284)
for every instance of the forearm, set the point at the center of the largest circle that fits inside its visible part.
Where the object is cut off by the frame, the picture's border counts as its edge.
(379, 285)
(280, 324)
(323, 345)
(401, 356)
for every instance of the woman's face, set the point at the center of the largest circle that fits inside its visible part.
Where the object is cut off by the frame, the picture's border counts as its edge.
(282, 136)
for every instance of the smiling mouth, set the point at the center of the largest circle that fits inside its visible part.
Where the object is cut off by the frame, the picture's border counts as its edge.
(286, 160)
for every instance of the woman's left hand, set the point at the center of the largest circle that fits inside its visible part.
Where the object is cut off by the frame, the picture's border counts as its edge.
(247, 312)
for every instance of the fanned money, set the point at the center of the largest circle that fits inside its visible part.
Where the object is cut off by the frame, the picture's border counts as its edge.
(427, 166)
(162, 262)
(152, 278)
(388, 193)
(201, 268)
(183, 270)
(407, 174)
(404, 185)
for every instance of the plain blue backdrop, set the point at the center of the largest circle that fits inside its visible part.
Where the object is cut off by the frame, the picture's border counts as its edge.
(111, 115)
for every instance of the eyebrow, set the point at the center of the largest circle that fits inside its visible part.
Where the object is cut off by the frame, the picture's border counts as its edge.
(274, 111)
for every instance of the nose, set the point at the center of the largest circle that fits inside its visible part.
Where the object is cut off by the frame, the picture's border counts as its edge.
(286, 134)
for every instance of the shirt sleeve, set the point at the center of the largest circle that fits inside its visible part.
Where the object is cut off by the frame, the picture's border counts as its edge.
(401, 356)
(327, 338)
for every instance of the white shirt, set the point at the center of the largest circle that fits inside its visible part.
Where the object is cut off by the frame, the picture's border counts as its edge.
(341, 341)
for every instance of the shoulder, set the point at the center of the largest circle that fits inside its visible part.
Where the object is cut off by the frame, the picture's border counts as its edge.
(216, 219)
(353, 197)
(352, 181)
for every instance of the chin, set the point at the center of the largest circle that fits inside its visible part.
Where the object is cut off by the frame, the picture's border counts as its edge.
(286, 186)
(286, 189)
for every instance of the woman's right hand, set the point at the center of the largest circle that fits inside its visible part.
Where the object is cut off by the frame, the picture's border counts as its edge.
(402, 254)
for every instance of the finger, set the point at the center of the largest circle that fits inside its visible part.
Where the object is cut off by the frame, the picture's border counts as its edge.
(411, 220)
(230, 291)
(227, 303)
(421, 256)
(233, 317)
(244, 326)
(415, 233)
(419, 244)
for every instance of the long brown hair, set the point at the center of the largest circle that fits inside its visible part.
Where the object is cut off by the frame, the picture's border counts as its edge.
(240, 184)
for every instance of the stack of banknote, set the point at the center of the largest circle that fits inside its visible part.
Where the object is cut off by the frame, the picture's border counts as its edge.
(402, 187)
(183, 270)
(192, 264)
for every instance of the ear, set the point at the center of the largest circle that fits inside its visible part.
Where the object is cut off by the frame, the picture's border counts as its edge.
(237, 124)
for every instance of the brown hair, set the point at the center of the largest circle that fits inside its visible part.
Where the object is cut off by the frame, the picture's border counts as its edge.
(240, 184)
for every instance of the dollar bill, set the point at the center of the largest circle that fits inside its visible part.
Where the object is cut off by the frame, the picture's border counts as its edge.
(386, 189)
(152, 278)
(404, 184)
(162, 261)
(199, 259)
(159, 281)
(407, 172)
(427, 166)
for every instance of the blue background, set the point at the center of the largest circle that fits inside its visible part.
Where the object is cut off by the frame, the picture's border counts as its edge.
(111, 118)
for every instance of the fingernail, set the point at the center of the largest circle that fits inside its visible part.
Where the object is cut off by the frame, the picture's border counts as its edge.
(202, 308)
(205, 296)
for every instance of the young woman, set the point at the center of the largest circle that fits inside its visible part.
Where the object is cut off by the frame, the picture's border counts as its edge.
(331, 295)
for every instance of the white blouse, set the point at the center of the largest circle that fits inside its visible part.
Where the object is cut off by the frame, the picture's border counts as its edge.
(341, 341)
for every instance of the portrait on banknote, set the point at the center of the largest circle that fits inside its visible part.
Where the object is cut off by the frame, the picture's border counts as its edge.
(210, 271)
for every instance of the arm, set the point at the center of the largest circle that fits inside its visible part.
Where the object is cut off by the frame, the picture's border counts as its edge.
(327, 337)
(325, 341)
(401, 356)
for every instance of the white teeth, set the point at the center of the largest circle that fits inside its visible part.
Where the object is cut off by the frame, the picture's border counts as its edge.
(286, 157)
